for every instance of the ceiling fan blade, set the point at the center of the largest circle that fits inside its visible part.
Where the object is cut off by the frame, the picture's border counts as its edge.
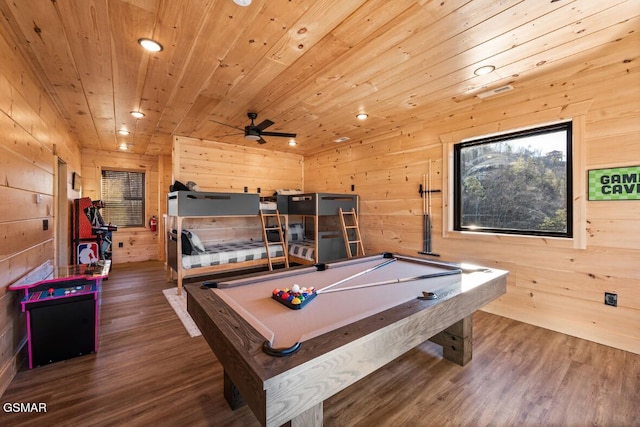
(263, 125)
(286, 135)
(261, 141)
(224, 124)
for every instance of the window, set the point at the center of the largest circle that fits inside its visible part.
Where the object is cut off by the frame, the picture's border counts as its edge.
(515, 183)
(123, 197)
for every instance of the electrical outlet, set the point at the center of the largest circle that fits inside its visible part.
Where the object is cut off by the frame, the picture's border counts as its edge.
(120, 245)
(45, 224)
(611, 299)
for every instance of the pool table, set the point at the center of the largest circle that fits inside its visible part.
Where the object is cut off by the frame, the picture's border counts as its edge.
(367, 311)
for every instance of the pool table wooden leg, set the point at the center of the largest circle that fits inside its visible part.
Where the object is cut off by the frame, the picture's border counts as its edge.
(312, 417)
(457, 341)
(231, 393)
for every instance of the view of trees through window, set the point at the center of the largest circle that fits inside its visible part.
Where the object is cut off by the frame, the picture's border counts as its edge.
(518, 183)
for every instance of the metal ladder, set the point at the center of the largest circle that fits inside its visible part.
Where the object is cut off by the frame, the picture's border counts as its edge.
(351, 230)
(267, 226)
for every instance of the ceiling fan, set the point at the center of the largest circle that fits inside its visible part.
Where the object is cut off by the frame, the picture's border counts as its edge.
(255, 132)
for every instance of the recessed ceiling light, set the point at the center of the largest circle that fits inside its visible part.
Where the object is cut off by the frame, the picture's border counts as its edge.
(150, 45)
(137, 114)
(292, 142)
(242, 2)
(362, 116)
(484, 70)
(123, 132)
(342, 139)
(123, 147)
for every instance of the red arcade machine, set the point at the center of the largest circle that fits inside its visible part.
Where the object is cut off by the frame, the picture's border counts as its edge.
(91, 236)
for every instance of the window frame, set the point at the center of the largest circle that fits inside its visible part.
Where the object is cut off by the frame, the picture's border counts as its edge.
(576, 112)
(566, 126)
(143, 198)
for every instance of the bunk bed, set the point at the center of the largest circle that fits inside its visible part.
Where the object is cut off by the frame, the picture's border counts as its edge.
(188, 256)
(318, 236)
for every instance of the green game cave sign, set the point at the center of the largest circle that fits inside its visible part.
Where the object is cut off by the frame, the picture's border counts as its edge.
(615, 183)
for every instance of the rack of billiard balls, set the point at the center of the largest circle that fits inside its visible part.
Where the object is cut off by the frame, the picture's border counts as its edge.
(295, 297)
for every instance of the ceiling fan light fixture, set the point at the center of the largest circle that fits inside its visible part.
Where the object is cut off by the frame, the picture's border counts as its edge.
(137, 114)
(252, 137)
(150, 45)
(484, 70)
(242, 2)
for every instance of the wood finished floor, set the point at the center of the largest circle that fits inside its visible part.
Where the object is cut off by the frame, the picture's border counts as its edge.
(148, 371)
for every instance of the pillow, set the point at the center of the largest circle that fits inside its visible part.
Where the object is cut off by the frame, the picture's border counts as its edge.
(186, 243)
(273, 236)
(178, 186)
(196, 242)
(286, 192)
(191, 244)
(192, 186)
(295, 232)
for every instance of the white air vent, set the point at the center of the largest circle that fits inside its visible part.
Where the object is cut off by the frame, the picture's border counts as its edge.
(495, 91)
(342, 139)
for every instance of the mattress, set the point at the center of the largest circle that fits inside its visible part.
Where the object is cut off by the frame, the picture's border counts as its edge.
(228, 253)
(304, 249)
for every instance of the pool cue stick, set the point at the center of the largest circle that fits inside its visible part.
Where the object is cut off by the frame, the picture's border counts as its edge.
(429, 187)
(425, 216)
(426, 209)
(393, 281)
(368, 270)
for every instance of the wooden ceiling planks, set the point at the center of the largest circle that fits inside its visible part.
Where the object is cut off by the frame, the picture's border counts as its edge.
(273, 56)
(308, 66)
(294, 79)
(241, 70)
(130, 64)
(321, 89)
(41, 39)
(171, 85)
(203, 62)
(441, 87)
(89, 37)
(392, 83)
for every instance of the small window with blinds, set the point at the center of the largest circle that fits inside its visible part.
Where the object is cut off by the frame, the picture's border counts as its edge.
(123, 195)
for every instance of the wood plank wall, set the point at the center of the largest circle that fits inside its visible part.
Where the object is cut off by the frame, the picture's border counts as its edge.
(560, 288)
(216, 166)
(220, 167)
(138, 243)
(33, 139)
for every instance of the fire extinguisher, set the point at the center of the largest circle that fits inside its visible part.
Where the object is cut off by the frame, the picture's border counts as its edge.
(153, 224)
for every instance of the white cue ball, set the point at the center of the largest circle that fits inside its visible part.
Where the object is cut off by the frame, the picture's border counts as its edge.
(295, 289)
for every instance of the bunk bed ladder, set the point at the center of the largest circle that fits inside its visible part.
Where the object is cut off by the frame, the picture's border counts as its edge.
(351, 232)
(274, 226)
